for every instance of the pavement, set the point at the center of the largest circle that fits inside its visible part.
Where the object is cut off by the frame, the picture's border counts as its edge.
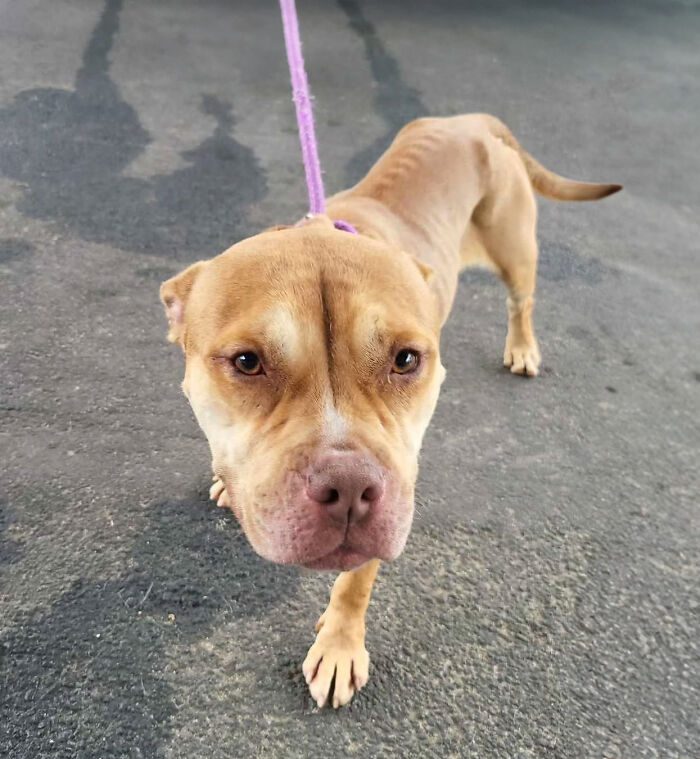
(547, 602)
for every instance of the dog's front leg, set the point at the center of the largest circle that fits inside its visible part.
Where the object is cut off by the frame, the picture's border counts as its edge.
(339, 650)
(217, 492)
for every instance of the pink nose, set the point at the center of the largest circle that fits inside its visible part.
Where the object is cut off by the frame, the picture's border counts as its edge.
(347, 485)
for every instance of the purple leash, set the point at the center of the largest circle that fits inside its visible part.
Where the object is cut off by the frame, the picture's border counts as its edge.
(305, 117)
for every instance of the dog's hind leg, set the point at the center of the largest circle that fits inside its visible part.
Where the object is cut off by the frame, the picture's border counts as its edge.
(339, 654)
(507, 231)
(521, 352)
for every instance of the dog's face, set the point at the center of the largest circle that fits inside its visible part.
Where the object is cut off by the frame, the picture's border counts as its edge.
(312, 366)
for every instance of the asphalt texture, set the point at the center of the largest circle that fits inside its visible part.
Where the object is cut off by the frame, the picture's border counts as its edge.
(547, 602)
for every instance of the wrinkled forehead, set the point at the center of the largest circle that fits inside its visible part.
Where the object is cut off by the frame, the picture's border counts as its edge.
(294, 296)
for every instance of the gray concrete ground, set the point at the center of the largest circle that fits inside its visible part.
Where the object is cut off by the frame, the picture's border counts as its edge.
(547, 603)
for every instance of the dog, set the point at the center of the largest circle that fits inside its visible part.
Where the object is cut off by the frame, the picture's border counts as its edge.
(313, 355)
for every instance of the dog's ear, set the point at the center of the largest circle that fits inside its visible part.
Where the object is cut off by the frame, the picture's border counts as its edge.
(424, 269)
(174, 294)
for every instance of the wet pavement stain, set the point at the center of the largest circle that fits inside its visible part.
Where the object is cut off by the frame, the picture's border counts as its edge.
(70, 148)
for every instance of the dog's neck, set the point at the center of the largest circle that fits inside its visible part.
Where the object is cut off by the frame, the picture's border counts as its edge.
(432, 241)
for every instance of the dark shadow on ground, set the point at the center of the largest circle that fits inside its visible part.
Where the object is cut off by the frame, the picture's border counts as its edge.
(13, 248)
(90, 673)
(70, 148)
(395, 102)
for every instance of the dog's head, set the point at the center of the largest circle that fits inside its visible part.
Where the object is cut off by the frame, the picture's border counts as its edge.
(313, 368)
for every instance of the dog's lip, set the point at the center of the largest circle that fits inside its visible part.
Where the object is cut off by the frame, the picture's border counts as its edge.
(343, 558)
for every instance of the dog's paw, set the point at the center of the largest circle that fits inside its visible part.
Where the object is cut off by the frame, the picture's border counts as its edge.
(339, 652)
(217, 492)
(522, 359)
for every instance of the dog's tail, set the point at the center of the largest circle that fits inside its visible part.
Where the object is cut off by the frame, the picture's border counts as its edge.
(544, 181)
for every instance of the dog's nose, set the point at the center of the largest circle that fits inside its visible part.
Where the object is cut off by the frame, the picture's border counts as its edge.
(347, 485)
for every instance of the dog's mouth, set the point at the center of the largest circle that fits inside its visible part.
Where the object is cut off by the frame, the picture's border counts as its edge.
(343, 558)
(295, 528)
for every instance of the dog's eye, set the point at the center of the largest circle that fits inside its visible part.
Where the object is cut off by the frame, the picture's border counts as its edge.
(248, 363)
(405, 361)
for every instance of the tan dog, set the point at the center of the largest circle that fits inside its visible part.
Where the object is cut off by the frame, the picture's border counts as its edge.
(313, 364)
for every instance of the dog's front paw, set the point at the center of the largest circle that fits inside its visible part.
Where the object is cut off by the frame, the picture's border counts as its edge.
(217, 492)
(339, 652)
(522, 358)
